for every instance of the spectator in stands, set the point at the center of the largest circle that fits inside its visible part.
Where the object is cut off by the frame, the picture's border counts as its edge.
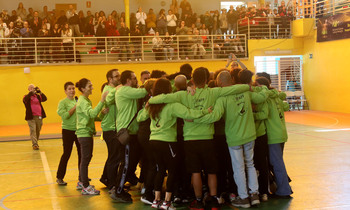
(27, 44)
(198, 48)
(133, 20)
(90, 27)
(161, 22)
(67, 35)
(13, 16)
(47, 23)
(171, 19)
(124, 42)
(151, 20)
(30, 14)
(208, 21)
(82, 22)
(198, 23)
(203, 30)
(45, 13)
(5, 17)
(3, 28)
(56, 43)
(21, 11)
(36, 23)
(13, 45)
(183, 41)
(167, 46)
(115, 16)
(232, 20)
(137, 42)
(193, 28)
(111, 26)
(34, 112)
(44, 44)
(62, 19)
(101, 31)
(73, 20)
(157, 46)
(188, 20)
(216, 23)
(141, 20)
(175, 8)
(185, 8)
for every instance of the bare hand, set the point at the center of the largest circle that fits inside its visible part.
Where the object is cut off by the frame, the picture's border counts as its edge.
(191, 90)
(104, 95)
(210, 109)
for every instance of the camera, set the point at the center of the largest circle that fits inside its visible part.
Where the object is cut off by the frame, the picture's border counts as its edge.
(37, 90)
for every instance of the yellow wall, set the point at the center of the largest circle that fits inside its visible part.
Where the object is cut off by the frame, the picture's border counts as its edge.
(327, 75)
(50, 79)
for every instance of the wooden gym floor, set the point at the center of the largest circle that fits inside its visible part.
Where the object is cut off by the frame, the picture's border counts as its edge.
(316, 156)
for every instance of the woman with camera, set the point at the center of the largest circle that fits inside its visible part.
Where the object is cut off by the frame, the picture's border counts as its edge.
(34, 112)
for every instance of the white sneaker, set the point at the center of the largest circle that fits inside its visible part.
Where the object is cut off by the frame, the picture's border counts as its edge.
(140, 59)
(186, 58)
(136, 59)
(171, 58)
(167, 206)
(90, 190)
(129, 59)
(119, 60)
(264, 197)
(80, 186)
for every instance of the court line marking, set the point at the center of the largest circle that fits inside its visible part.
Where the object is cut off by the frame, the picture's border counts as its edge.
(48, 175)
(319, 137)
(18, 153)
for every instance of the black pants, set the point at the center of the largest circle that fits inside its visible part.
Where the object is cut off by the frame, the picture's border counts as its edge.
(261, 163)
(111, 165)
(148, 166)
(165, 154)
(135, 156)
(87, 145)
(226, 183)
(68, 138)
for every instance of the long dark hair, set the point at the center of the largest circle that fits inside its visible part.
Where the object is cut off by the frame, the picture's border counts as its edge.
(160, 86)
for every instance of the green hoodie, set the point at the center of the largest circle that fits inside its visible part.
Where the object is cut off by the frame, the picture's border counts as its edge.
(261, 112)
(109, 119)
(275, 123)
(238, 114)
(126, 101)
(86, 117)
(164, 127)
(202, 99)
(68, 121)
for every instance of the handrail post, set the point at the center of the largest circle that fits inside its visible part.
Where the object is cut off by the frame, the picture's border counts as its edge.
(74, 49)
(106, 49)
(178, 47)
(212, 46)
(248, 29)
(245, 45)
(142, 51)
(35, 51)
(333, 7)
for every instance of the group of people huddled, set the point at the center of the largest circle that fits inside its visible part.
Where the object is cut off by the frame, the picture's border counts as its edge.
(216, 136)
(70, 23)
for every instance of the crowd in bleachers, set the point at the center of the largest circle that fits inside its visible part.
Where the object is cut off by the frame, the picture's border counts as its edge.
(71, 23)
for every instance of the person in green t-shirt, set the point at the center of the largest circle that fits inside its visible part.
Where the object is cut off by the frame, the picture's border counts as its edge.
(85, 130)
(126, 99)
(163, 139)
(108, 125)
(66, 110)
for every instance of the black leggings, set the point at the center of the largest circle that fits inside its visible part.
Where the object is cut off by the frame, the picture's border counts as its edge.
(87, 145)
(261, 156)
(68, 138)
(165, 155)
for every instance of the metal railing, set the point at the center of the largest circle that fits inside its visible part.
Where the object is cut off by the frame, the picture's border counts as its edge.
(265, 27)
(93, 50)
(319, 8)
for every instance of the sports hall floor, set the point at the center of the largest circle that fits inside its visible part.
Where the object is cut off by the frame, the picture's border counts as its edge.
(316, 155)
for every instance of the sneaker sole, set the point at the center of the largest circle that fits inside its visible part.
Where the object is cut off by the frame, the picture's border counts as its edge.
(243, 206)
(119, 200)
(84, 193)
(256, 202)
(146, 201)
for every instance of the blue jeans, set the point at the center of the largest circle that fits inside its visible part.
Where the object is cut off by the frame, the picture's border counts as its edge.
(279, 169)
(242, 161)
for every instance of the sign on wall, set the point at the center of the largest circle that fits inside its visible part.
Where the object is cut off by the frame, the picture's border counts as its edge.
(333, 27)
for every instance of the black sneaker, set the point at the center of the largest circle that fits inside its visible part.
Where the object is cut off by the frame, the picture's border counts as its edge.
(147, 199)
(133, 180)
(61, 182)
(196, 205)
(211, 203)
(122, 197)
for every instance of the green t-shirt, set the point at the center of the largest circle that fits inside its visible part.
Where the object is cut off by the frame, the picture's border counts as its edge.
(86, 117)
(261, 113)
(202, 99)
(164, 127)
(109, 119)
(238, 114)
(275, 123)
(68, 121)
(126, 101)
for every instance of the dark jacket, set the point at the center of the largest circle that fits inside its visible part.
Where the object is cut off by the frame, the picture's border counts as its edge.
(26, 101)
